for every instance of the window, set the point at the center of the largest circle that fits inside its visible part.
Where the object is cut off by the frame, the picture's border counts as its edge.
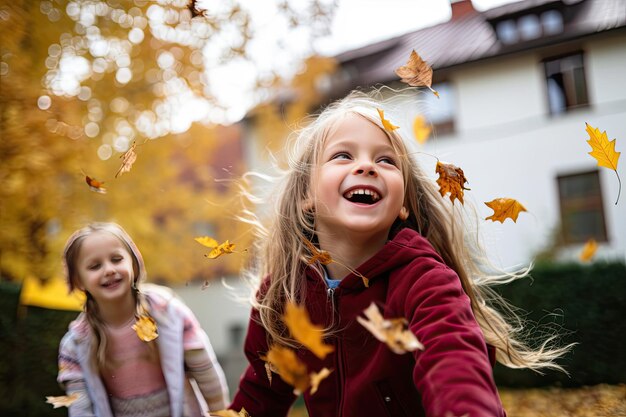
(440, 112)
(582, 213)
(566, 86)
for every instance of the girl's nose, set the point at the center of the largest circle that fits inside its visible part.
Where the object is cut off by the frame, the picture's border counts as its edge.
(109, 268)
(366, 169)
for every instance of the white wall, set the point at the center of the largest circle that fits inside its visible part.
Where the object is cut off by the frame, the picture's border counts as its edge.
(509, 146)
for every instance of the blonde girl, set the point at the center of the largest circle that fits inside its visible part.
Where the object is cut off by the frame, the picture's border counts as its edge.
(353, 190)
(104, 363)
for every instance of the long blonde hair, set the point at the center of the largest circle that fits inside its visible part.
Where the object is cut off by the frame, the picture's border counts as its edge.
(90, 308)
(282, 253)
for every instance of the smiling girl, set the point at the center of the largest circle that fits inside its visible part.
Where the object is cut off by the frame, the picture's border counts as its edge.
(353, 191)
(105, 364)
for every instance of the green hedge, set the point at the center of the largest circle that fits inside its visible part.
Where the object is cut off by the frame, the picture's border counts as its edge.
(29, 343)
(588, 302)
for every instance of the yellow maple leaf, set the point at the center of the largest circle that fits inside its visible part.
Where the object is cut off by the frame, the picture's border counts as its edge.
(604, 152)
(230, 413)
(128, 159)
(289, 367)
(504, 208)
(310, 335)
(386, 123)
(146, 328)
(63, 401)
(421, 130)
(217, 249)
(451, 180)
(589, 250)
(393, 332)
(416, 73)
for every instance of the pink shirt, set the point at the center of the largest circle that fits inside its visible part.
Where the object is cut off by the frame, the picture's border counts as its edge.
(132, 366)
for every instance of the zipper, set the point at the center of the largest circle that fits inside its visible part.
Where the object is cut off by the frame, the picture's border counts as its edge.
(340, 372)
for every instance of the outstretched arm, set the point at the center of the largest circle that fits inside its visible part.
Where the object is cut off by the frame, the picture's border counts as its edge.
(204, 368)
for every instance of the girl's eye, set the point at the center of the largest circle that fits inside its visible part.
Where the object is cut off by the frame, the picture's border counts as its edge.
(93, 267)
(116, 259)
(341, 155)
(387, 160)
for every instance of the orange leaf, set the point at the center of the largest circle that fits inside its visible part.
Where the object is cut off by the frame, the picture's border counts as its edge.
(230, 413)
(63, 401)
(416, 73)
(317, 255)
(386, 123)
(393, 332)
(451, 180)
(289, 367)
(604, 152)
(146, 328)
(310, 335)
(504, 208)
(589, 250)
(420, 129)
(95, 185)
(128, 159)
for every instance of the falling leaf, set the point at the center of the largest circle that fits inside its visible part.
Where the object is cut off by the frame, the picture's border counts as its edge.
(417, 73)
(325, 259)
(310, 335)
(386, 123)
(317, 377)
(128, 159)
(95, 185)
(603, 151)
(318, 255)
(194, 9)
(217, 249)
(289, 367)
(420, 129)
(230, 413)
(393, 332)
(451, 180)
(504, 208)
(589, 250)
(63, 401)
(146, 328)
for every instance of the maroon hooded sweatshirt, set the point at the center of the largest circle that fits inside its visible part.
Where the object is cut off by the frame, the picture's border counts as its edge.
(452, 376)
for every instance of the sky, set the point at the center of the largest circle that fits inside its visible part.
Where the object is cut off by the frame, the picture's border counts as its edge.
(356, 23)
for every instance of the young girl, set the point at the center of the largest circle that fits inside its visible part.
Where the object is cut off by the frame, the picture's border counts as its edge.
(353, 191)
(102, 358)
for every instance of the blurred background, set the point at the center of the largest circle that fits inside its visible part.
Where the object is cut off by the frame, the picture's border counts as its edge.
(205, 91)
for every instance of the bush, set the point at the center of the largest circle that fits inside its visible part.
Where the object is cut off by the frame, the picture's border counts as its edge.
(588, 301)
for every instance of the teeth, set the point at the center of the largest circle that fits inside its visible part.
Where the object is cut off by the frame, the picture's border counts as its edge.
(364, 191)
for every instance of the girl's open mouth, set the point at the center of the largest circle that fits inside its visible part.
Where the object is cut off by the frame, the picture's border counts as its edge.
(362, 196)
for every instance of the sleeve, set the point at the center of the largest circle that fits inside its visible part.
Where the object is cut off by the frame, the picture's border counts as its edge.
(201, 362)
(256, 394)
(453, 373)
(71, 379)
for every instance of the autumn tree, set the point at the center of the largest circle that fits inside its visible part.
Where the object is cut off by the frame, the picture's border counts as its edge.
(81, 82)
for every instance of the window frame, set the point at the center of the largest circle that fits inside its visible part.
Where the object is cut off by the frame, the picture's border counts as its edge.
(568, 107)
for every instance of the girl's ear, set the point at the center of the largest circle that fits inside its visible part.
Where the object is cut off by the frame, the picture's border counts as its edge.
(404, 213)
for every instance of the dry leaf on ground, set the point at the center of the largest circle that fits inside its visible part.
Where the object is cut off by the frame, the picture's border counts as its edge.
(504, 208)
(393, 332)
(310, 335)
(451, 180)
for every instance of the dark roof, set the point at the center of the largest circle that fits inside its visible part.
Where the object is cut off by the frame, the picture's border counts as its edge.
(472, 37)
